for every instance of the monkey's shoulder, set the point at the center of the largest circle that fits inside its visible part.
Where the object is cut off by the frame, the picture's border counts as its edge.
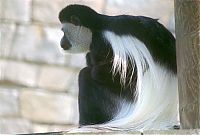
(138, 26)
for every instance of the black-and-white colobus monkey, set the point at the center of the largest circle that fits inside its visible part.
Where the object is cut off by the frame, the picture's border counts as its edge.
(130, 80)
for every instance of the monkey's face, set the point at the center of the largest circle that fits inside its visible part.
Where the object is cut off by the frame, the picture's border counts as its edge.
(76, 38)
(78, 21)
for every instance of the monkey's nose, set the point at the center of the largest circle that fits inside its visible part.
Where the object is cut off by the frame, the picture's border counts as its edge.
(65, 44)
(65, 47)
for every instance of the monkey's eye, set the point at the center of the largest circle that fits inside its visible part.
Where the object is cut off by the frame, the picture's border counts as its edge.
(75, 20)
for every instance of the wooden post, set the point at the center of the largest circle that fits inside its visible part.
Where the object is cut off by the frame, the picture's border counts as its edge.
(187, 17)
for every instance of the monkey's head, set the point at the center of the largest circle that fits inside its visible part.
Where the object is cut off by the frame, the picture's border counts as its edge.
(78, 22)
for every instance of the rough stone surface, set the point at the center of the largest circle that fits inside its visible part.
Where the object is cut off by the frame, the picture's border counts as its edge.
(8, 102)
(14, 126)
(54, 78)
(78, 60)
(47, 107)
(20, 12)
(6, 38)
(21, 73)
(1, 9)
(158, 9)
(2, 69)
(73, 87)
(45, 11)
(26, 41)
(38, 44)
(171, 24)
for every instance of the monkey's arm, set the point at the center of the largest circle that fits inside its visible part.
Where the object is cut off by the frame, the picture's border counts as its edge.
(102, 72)
(100, 60)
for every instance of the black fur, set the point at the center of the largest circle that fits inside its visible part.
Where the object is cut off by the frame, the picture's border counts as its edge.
(99, 91)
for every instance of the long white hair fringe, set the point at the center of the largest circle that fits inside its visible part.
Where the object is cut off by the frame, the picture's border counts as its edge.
(156, 103)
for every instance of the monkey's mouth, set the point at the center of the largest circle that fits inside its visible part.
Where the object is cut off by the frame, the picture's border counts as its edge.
(65, 44)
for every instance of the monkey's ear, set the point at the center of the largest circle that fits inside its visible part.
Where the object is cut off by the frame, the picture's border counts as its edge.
(75, 20)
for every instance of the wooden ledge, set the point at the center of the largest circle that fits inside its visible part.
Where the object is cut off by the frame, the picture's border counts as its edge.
(150, 132)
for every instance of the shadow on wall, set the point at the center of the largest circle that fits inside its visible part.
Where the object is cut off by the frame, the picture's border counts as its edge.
(38, 89)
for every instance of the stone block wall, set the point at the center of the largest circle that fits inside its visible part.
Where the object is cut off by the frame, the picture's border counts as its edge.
(38, 84)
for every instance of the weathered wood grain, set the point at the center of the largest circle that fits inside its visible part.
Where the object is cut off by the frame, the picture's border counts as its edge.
(172, 132)
(187, 17)
(150, 132)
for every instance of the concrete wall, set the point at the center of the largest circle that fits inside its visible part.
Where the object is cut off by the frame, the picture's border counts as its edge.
(38, 84)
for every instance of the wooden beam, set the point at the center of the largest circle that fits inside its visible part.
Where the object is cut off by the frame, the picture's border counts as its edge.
(187, 18)
(149, 132)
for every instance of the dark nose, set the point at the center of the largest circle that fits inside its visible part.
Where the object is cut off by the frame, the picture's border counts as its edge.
(65, 44)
